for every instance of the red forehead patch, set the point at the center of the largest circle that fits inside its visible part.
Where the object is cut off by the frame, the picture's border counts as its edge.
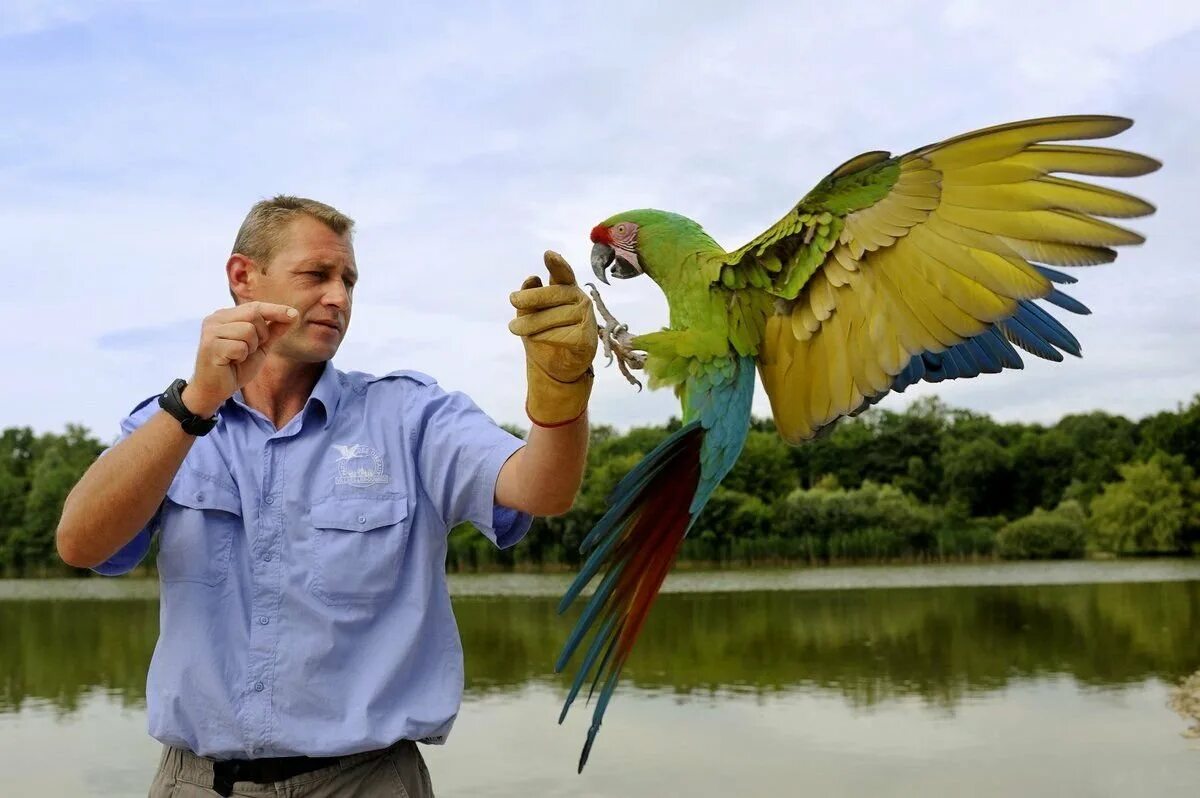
(601, 235)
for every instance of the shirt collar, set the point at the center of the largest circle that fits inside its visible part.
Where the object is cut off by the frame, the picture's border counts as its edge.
(327, 392)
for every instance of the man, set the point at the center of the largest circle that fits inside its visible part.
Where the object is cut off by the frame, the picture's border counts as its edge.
(306, 638)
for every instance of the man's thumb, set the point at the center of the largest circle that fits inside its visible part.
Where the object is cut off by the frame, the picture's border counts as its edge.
(560, 270)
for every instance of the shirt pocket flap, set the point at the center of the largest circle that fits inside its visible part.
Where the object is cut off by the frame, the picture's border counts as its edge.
(200, 496)
(199, 521)
(358, 515)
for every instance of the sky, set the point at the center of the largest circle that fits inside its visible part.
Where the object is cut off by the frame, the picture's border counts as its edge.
(467, 138)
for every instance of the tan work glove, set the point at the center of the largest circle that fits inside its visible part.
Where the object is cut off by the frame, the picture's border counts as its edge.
(558, 328)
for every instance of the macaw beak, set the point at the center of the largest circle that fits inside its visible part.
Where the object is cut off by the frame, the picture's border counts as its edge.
(602, 257)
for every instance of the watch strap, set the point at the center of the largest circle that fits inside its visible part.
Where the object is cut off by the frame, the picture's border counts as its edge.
(171, 401)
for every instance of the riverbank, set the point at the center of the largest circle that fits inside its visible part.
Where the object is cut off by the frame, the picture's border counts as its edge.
(859, 577)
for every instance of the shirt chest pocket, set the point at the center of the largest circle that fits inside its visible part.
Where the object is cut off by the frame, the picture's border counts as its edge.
(196, 532)
(358, 545)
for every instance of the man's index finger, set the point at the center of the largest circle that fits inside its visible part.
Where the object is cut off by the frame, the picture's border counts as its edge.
(273, 312)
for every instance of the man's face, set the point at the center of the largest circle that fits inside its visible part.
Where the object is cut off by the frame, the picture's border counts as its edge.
(314, 272)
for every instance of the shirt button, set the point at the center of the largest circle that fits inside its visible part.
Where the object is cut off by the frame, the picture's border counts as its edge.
(264, 620)
(270, 500)
(267, 557)
(199, 497)
(259, 687)
(362, 519)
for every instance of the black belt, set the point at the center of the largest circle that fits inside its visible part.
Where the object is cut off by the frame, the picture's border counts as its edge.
(264, 771)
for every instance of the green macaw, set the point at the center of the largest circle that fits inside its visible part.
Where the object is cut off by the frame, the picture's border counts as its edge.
(893, 270)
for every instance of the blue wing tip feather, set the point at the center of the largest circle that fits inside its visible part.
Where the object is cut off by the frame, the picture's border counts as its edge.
(1029, 327)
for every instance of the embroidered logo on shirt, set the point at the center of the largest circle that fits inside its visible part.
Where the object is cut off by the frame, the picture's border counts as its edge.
(359, 465)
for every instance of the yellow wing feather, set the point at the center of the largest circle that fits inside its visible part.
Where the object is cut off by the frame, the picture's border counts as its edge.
(943, 255)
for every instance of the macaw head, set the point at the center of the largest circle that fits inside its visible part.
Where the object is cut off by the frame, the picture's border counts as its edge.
(634, 242)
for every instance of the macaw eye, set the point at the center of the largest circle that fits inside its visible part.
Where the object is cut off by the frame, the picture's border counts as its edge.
(621, 229)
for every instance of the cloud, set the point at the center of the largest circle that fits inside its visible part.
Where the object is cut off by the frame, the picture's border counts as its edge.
(465, 141)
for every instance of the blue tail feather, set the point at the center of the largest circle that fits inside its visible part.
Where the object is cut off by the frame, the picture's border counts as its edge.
(655, 458)
(599, 599)
(621, 499)
(598, 715)
(586, 666)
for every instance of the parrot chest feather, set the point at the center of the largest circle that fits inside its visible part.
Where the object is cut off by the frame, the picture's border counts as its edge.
(708, 324)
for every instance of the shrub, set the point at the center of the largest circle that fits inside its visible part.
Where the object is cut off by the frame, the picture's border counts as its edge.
(873, 521)
(1045, 535)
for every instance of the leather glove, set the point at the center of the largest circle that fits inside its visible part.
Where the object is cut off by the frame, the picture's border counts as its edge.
(558, 328)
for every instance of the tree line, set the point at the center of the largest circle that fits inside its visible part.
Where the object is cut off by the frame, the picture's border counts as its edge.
(930, 483)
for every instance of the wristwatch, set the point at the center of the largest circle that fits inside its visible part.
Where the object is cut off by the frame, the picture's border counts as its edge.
(172, 401)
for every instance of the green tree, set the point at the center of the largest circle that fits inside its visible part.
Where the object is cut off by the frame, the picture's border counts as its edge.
(1100, 444)
(764, 468)
(1145, 512)
(978, 472)
(1042, 463)
(16, 458)
(38, 475)
(1174, 433)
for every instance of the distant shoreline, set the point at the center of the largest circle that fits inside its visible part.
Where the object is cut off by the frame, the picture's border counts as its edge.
(854, 577)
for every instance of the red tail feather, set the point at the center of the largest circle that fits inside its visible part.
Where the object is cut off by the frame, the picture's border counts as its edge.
(655, 537)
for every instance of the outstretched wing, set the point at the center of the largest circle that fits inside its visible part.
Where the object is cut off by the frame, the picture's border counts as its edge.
(922, 266)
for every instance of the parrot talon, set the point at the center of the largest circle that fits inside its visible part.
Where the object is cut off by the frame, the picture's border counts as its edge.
(608, 353)
(617, 341)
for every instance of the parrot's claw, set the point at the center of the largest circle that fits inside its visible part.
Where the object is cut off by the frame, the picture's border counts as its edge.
(617, 341)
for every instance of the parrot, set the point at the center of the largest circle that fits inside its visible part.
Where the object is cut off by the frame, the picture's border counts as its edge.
(893, 270)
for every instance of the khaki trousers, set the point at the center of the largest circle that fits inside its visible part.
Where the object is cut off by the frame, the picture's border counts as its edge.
(395, 771)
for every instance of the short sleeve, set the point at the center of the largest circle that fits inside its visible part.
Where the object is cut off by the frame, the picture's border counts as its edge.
(460, 451)
(128, 556)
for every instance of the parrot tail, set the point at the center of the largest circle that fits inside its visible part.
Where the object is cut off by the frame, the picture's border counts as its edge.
(650, 512)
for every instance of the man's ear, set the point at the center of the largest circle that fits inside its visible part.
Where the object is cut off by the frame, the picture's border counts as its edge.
(243, 274)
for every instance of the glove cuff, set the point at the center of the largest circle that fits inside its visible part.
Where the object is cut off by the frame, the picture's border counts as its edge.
(553, 403)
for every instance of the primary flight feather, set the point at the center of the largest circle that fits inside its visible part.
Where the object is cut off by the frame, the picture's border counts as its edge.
(893, 270)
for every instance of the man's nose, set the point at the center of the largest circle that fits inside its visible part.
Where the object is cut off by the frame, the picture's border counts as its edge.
(338, 297)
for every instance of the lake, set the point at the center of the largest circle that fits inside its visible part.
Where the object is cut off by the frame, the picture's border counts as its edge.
(981, 680)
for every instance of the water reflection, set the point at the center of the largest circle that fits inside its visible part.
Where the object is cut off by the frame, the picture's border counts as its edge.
(868, 646)
(58, 651)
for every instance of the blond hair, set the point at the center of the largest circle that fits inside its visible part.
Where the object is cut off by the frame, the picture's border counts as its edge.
(262, 233)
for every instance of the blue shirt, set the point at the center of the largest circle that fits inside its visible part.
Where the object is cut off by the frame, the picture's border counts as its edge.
(304, 606)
